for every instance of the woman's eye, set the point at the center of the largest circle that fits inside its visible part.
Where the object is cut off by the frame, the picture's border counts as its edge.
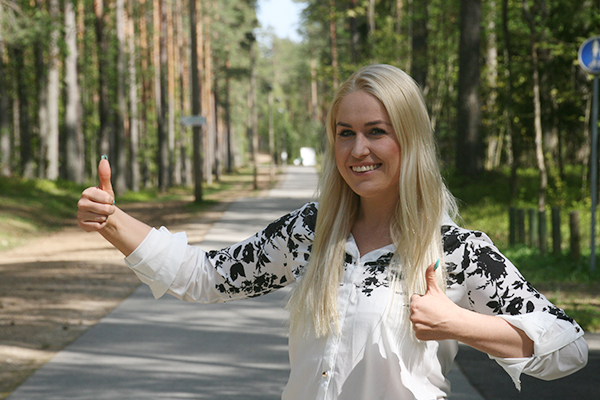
(345, 133)
(377, 131)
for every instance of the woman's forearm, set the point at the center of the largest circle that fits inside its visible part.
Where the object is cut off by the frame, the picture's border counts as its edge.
(124, 232)
(492, 335)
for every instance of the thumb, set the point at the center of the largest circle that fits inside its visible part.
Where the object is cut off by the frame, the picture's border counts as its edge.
(104, 174)
(431, 277)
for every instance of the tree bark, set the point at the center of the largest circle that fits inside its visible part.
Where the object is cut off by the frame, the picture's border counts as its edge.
(23, 129)
(420, 61)
(252, 110)
(539, 134)
(104, 100)
(333, 37)
(41, 87)
(229, 136)
(515, 142)
(196, 42)
(120, 155)
(537, 105)
(74, 146)
(134, 120)
(208, 100)
(314, 99)
(5, 142)
(160, 38)
(494, 142)
(174, 176)
(468, 137)
(52, 150)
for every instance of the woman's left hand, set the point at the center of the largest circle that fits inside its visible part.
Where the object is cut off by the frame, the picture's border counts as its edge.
(433, 314)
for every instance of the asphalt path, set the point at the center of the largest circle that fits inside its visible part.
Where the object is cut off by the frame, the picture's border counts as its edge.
(168, 349)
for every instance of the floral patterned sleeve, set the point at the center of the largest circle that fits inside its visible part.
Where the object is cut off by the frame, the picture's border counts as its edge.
(267, 261)
(481, 279)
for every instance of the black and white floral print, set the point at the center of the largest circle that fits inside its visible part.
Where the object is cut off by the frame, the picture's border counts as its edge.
(270, 259)
(491, 282)
(479, 276)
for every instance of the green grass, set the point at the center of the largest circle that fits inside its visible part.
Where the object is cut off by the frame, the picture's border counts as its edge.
(32, 207)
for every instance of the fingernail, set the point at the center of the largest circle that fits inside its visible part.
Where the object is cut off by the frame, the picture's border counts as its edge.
(437, 264)
(104, 157)
(114, 202)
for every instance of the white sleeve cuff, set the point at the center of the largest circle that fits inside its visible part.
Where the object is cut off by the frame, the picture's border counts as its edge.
(158, 258)
(549, 335)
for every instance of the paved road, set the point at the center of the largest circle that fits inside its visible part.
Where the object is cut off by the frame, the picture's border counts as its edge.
(168, 349)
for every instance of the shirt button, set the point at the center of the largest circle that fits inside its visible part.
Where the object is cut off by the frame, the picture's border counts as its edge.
(325, 374)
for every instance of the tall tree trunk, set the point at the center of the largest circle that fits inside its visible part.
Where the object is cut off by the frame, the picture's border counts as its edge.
(494, 144)
(420, 61)
(5, 142)
(24, 129)
(515, 142)
(196, 43)
(120, 161)
(134, 120)
(174, 175)
(104, 100)
(252, 110)
(371, 21)
(537, 104)
(208, 99)
(354, 34)
(160, 37)
(468, 137)
(218, 159)
(41, 87)
(181, 162)
(398, 16)
(229, 136)
(271, 136)
(333, 38)
(314, 99)
(146, 57)
(539, 134)
(74, 157)
(52, 154)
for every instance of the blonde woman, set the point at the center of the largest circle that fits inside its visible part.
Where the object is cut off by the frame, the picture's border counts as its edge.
(387, 283)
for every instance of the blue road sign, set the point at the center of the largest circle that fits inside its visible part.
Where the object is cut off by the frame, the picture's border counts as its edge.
(589, 55)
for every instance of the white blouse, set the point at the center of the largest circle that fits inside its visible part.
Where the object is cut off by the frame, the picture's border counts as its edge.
(368, 358)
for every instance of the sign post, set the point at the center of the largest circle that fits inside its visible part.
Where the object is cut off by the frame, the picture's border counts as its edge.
(193, 120)
(589, 59)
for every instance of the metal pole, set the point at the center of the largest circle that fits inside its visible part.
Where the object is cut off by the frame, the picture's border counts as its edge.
(594, 177)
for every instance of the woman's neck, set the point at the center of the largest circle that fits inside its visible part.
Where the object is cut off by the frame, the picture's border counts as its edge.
(371, 230)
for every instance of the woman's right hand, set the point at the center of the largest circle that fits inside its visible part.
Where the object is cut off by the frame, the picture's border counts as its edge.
(96, 204)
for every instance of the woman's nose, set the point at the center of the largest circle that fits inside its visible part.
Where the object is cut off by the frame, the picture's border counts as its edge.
(361, 146)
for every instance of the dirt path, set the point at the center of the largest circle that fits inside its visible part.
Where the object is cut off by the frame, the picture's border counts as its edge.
(55, 288)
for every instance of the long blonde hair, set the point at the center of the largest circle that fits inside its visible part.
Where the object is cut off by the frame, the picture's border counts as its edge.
(416, 226)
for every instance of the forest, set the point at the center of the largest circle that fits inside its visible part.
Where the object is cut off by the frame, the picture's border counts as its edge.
(81, 78)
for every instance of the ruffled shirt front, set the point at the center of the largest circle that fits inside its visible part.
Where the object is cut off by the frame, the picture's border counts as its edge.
(367, 359)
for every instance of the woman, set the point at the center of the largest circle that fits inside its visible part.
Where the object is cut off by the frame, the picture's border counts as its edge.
(372, 316)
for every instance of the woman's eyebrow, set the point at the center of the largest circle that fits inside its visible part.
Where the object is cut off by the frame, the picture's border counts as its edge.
(344, 124)
(379, 121)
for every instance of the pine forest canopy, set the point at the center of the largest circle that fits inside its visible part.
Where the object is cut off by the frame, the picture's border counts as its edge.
(81, 78)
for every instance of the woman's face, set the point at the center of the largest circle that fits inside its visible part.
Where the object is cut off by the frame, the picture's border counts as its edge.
(367, 152)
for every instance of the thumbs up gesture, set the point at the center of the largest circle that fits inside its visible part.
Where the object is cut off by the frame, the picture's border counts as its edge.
(97, 203)
(433, 313)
